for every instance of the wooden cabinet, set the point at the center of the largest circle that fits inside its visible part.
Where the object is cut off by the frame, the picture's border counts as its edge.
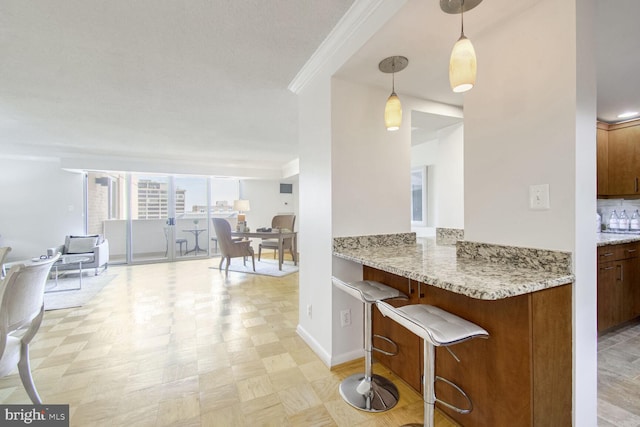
(521, 375)
(618, 151)
(618, 287)
(602, 149)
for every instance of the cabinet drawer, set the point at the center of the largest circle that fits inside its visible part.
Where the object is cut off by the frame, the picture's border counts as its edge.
(618, 252)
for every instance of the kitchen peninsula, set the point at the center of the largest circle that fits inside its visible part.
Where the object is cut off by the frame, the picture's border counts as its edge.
(521, 375)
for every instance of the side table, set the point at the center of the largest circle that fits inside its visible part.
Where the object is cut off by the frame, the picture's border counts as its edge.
(69, 259)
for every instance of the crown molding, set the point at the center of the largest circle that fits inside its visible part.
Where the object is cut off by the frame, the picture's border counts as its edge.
(357, 17)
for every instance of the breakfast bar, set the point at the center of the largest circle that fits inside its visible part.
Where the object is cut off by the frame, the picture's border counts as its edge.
(522, 374)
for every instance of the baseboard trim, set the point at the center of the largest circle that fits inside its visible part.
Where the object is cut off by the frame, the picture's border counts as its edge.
(325, 356)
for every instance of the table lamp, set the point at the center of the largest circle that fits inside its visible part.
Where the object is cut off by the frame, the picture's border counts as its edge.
(241, 206)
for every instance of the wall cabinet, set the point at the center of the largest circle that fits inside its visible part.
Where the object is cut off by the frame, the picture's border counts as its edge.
(508, 376)
(618, 151)
(618, 287)
(602, 150)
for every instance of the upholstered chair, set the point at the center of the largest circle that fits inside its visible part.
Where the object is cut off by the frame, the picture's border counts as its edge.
(280, 222)
(230, 248)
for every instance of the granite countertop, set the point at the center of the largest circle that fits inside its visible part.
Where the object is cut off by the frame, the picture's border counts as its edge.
(437, 265)
(605, 239)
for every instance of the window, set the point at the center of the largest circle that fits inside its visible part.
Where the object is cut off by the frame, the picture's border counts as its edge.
(419, 196)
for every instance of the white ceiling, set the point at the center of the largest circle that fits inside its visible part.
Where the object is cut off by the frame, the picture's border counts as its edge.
(206, 80)
(191, 80)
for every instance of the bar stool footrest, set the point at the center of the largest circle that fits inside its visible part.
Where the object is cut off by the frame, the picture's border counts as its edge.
(461, 392)
(390, 341)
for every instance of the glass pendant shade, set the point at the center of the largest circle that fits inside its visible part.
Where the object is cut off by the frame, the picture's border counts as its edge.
(393, 113)
(462, 65)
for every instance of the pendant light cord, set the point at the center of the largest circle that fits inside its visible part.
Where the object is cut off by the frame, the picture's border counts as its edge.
(393, 76)
(462, 18)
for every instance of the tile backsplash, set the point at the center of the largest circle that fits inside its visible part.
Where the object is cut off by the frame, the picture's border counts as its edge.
(606, 206)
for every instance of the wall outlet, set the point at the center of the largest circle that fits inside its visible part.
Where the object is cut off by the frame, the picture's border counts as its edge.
(309, 310)
(345, 318)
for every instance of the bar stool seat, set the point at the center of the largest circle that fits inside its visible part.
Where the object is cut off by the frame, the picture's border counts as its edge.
(436, 327)
(367, 391)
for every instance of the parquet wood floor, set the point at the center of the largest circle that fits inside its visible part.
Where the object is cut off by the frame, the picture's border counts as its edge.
(178, 344)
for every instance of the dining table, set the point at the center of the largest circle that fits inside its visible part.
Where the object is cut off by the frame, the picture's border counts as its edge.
(280, 235)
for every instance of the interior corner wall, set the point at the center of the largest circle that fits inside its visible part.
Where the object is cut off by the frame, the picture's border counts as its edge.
(41, 203)
(370, 165)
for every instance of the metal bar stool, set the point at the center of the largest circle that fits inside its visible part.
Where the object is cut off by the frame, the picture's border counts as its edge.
(369, 392)
(436, 327)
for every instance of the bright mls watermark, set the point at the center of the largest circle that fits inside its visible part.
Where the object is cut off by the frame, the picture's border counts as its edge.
(34, 415)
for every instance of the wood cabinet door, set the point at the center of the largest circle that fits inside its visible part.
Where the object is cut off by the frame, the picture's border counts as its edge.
(630, 298)
(609, 294)
(624, 153)
(602, 140)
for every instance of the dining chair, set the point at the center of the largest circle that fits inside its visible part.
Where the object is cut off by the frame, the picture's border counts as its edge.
(181, 241)
(230, 248)
(21, 312)
(282, 222)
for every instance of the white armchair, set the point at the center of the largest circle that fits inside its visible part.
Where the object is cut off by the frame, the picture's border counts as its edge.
(95, 246)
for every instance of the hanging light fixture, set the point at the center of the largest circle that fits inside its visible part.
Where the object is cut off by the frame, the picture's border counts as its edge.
(393, 108)
(462, 64)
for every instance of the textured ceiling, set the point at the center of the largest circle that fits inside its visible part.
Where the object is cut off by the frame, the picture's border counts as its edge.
(198, 80)
(206, 80)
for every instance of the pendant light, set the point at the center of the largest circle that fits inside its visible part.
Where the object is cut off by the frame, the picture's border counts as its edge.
(393, 108)
(462, 64)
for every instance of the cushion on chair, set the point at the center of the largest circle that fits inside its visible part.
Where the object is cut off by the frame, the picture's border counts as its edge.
(81, 244)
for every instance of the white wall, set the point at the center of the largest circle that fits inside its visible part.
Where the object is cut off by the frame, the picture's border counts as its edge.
(315, 237)
(449, 178)
(426, 154)
(519, 129)
(371, 175)
(445, 183)
(371, 172)
(371, 167)
(531, 120)
(266, 201)
(41, 203)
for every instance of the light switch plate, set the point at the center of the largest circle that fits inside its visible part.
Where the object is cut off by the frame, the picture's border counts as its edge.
(539, 197)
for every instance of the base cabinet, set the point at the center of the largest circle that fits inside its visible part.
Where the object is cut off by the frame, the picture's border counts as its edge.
(618, 286)
(521, 375)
